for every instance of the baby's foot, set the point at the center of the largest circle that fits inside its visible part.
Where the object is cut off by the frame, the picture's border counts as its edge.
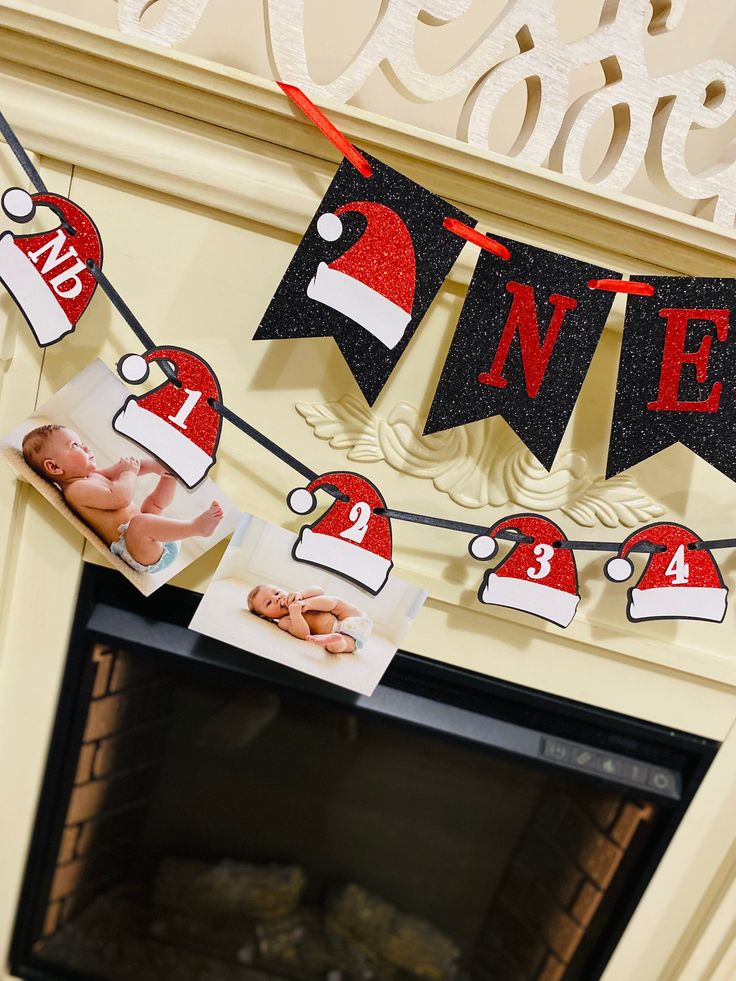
(208, 520)
(336, 643)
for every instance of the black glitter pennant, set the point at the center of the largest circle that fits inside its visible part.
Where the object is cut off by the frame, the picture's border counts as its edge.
(677, 374)
(523, 344)
(371, 261)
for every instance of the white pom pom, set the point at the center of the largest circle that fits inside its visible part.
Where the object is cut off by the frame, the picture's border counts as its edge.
(329, 227)
(301, 501)
(18, 204)
(483, 547)
(133, 368)
(618, 569)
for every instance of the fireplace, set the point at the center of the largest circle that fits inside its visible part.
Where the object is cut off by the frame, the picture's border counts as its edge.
(207, 814)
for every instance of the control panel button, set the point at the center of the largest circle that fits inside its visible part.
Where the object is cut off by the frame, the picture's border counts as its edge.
(554, 749)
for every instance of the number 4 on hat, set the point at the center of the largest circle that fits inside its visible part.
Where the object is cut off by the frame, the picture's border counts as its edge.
(680, 581)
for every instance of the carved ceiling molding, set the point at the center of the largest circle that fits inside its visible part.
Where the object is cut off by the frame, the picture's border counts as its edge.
(480, 465)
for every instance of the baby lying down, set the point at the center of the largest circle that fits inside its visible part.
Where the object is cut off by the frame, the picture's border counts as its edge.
(144, 538)
(329, 621)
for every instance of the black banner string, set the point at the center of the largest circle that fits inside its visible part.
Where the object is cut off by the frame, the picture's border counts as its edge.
(125, 312)
(515, 536)
(583, 546)
(426, 519)
(147, 341)
(709, 546)
(268, 444)
(21, 156)
(306, 472)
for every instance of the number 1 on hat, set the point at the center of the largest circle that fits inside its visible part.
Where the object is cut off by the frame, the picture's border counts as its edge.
(180, 419)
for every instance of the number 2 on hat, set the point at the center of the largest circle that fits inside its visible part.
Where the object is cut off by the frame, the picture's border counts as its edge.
(360, 513)
(352, 538)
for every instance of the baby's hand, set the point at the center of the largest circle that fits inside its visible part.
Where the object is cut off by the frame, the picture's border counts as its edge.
(117, 468)
(149, 466)
(294, 598)
(128, 463)
(297, 607)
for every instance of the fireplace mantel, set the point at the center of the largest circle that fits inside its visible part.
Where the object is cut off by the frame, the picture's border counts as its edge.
(148, 138)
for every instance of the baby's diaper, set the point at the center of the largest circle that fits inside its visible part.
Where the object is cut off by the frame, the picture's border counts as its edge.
(120, 548)
(359, 628)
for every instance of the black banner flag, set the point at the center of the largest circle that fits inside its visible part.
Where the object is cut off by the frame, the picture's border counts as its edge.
(523, 345)
(677, 374)
(371, 261)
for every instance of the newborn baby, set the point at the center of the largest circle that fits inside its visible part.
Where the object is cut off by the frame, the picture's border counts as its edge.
(329, 621)
(144, 539)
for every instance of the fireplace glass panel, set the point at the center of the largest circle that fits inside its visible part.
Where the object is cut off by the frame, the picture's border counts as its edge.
(219, 828)
(208, 816)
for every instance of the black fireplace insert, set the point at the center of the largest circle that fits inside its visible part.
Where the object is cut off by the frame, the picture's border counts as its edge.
(207, 815)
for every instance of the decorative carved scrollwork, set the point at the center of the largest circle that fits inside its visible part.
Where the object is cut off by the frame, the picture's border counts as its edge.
(479, 465)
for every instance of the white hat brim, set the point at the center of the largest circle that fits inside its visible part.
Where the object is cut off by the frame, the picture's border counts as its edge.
(678, 603)
(344, 558)
(551, 604)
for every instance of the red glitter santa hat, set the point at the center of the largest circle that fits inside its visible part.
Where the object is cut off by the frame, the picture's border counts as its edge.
(373, 282)
(175, 422)
(678, 582)
(47, 273)
(350, 539)
(537, 576)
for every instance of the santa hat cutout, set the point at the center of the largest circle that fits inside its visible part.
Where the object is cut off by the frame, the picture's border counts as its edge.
(678, 583)
(176, 421)
(373, 282)
(46, 273)
(350, 539)
(535, 576)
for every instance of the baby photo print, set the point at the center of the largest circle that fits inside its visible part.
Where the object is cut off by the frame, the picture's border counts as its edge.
(263, 601)
(127, 504)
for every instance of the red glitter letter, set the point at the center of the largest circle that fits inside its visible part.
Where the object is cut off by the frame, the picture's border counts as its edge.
(674, 356)
(535, 355)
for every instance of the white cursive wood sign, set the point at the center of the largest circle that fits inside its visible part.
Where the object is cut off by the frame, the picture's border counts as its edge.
(652, 117)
